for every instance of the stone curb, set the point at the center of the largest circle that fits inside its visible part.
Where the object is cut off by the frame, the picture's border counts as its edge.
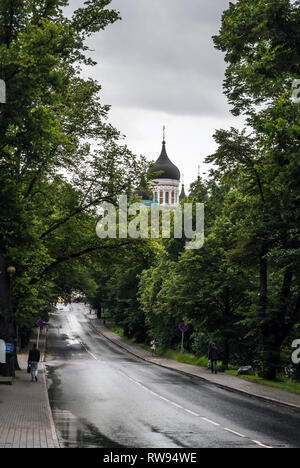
(53, 428)
(52, 425)
(225, 387)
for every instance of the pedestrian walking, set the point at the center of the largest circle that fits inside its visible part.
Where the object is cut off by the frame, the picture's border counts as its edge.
(153, 346)
(214, 356)
(33, 362)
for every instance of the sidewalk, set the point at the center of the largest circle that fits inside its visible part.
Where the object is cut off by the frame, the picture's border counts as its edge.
(226, 381)
(25, 414)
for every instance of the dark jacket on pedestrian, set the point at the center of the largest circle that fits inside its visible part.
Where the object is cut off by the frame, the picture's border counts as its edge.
(213, 353)
(34, 355)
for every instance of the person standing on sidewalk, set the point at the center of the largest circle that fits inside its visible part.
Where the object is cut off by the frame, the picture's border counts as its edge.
(33, 361)
(153, 346)
(214, 356)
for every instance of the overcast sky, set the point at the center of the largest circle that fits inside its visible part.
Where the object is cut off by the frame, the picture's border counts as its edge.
(158, 66)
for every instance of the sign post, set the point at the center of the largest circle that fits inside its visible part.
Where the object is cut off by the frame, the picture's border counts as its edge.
(39, 324)
(183, 327)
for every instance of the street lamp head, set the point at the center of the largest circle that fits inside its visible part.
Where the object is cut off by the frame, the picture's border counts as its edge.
(11, 270)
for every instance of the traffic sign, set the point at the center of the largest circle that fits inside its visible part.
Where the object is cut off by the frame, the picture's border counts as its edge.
(183, 327)
(10, 348)
(39, 323)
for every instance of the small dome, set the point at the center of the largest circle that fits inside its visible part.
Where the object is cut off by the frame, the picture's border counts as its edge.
(164, 165)
(182, 195)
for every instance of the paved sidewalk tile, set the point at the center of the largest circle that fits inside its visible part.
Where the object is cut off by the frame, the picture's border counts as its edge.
(224, 380)
(25, 415)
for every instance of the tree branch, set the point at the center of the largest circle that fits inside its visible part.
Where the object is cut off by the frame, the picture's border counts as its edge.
(72, 256)
(71, 215)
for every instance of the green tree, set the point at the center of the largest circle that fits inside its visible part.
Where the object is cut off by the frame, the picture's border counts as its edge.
(261, 42)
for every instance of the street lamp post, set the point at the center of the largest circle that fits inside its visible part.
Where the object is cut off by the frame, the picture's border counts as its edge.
(10, 271)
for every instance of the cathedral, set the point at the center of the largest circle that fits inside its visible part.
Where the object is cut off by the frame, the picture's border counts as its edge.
(165, 186)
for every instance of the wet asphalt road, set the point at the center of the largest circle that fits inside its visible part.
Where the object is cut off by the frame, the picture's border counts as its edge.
(101, 396)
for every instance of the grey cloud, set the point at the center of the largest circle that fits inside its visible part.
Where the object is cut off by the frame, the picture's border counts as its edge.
(161, 56)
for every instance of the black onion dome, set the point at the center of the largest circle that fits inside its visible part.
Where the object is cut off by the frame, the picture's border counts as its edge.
(169, 170)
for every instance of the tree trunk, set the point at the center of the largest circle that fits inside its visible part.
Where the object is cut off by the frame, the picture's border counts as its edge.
(225, 361)
(271, 355)
(277, 328)
(263, 286)
(269, 351)
(7, 332)
(7, 327)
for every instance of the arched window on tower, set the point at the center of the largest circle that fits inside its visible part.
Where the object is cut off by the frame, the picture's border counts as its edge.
(172, 198)
(167, 198)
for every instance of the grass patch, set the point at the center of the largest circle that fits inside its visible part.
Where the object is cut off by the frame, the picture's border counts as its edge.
(282, 384)
(115, 329)
(186, 358)
(119, 331)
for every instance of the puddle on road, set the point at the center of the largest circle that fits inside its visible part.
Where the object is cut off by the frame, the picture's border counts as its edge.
(74, 432)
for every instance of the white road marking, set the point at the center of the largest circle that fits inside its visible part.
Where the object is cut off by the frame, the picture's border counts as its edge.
(210, 421)
(157, 395)
(93, 355)
(260, 444)
(234, 432)
(191, 412)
